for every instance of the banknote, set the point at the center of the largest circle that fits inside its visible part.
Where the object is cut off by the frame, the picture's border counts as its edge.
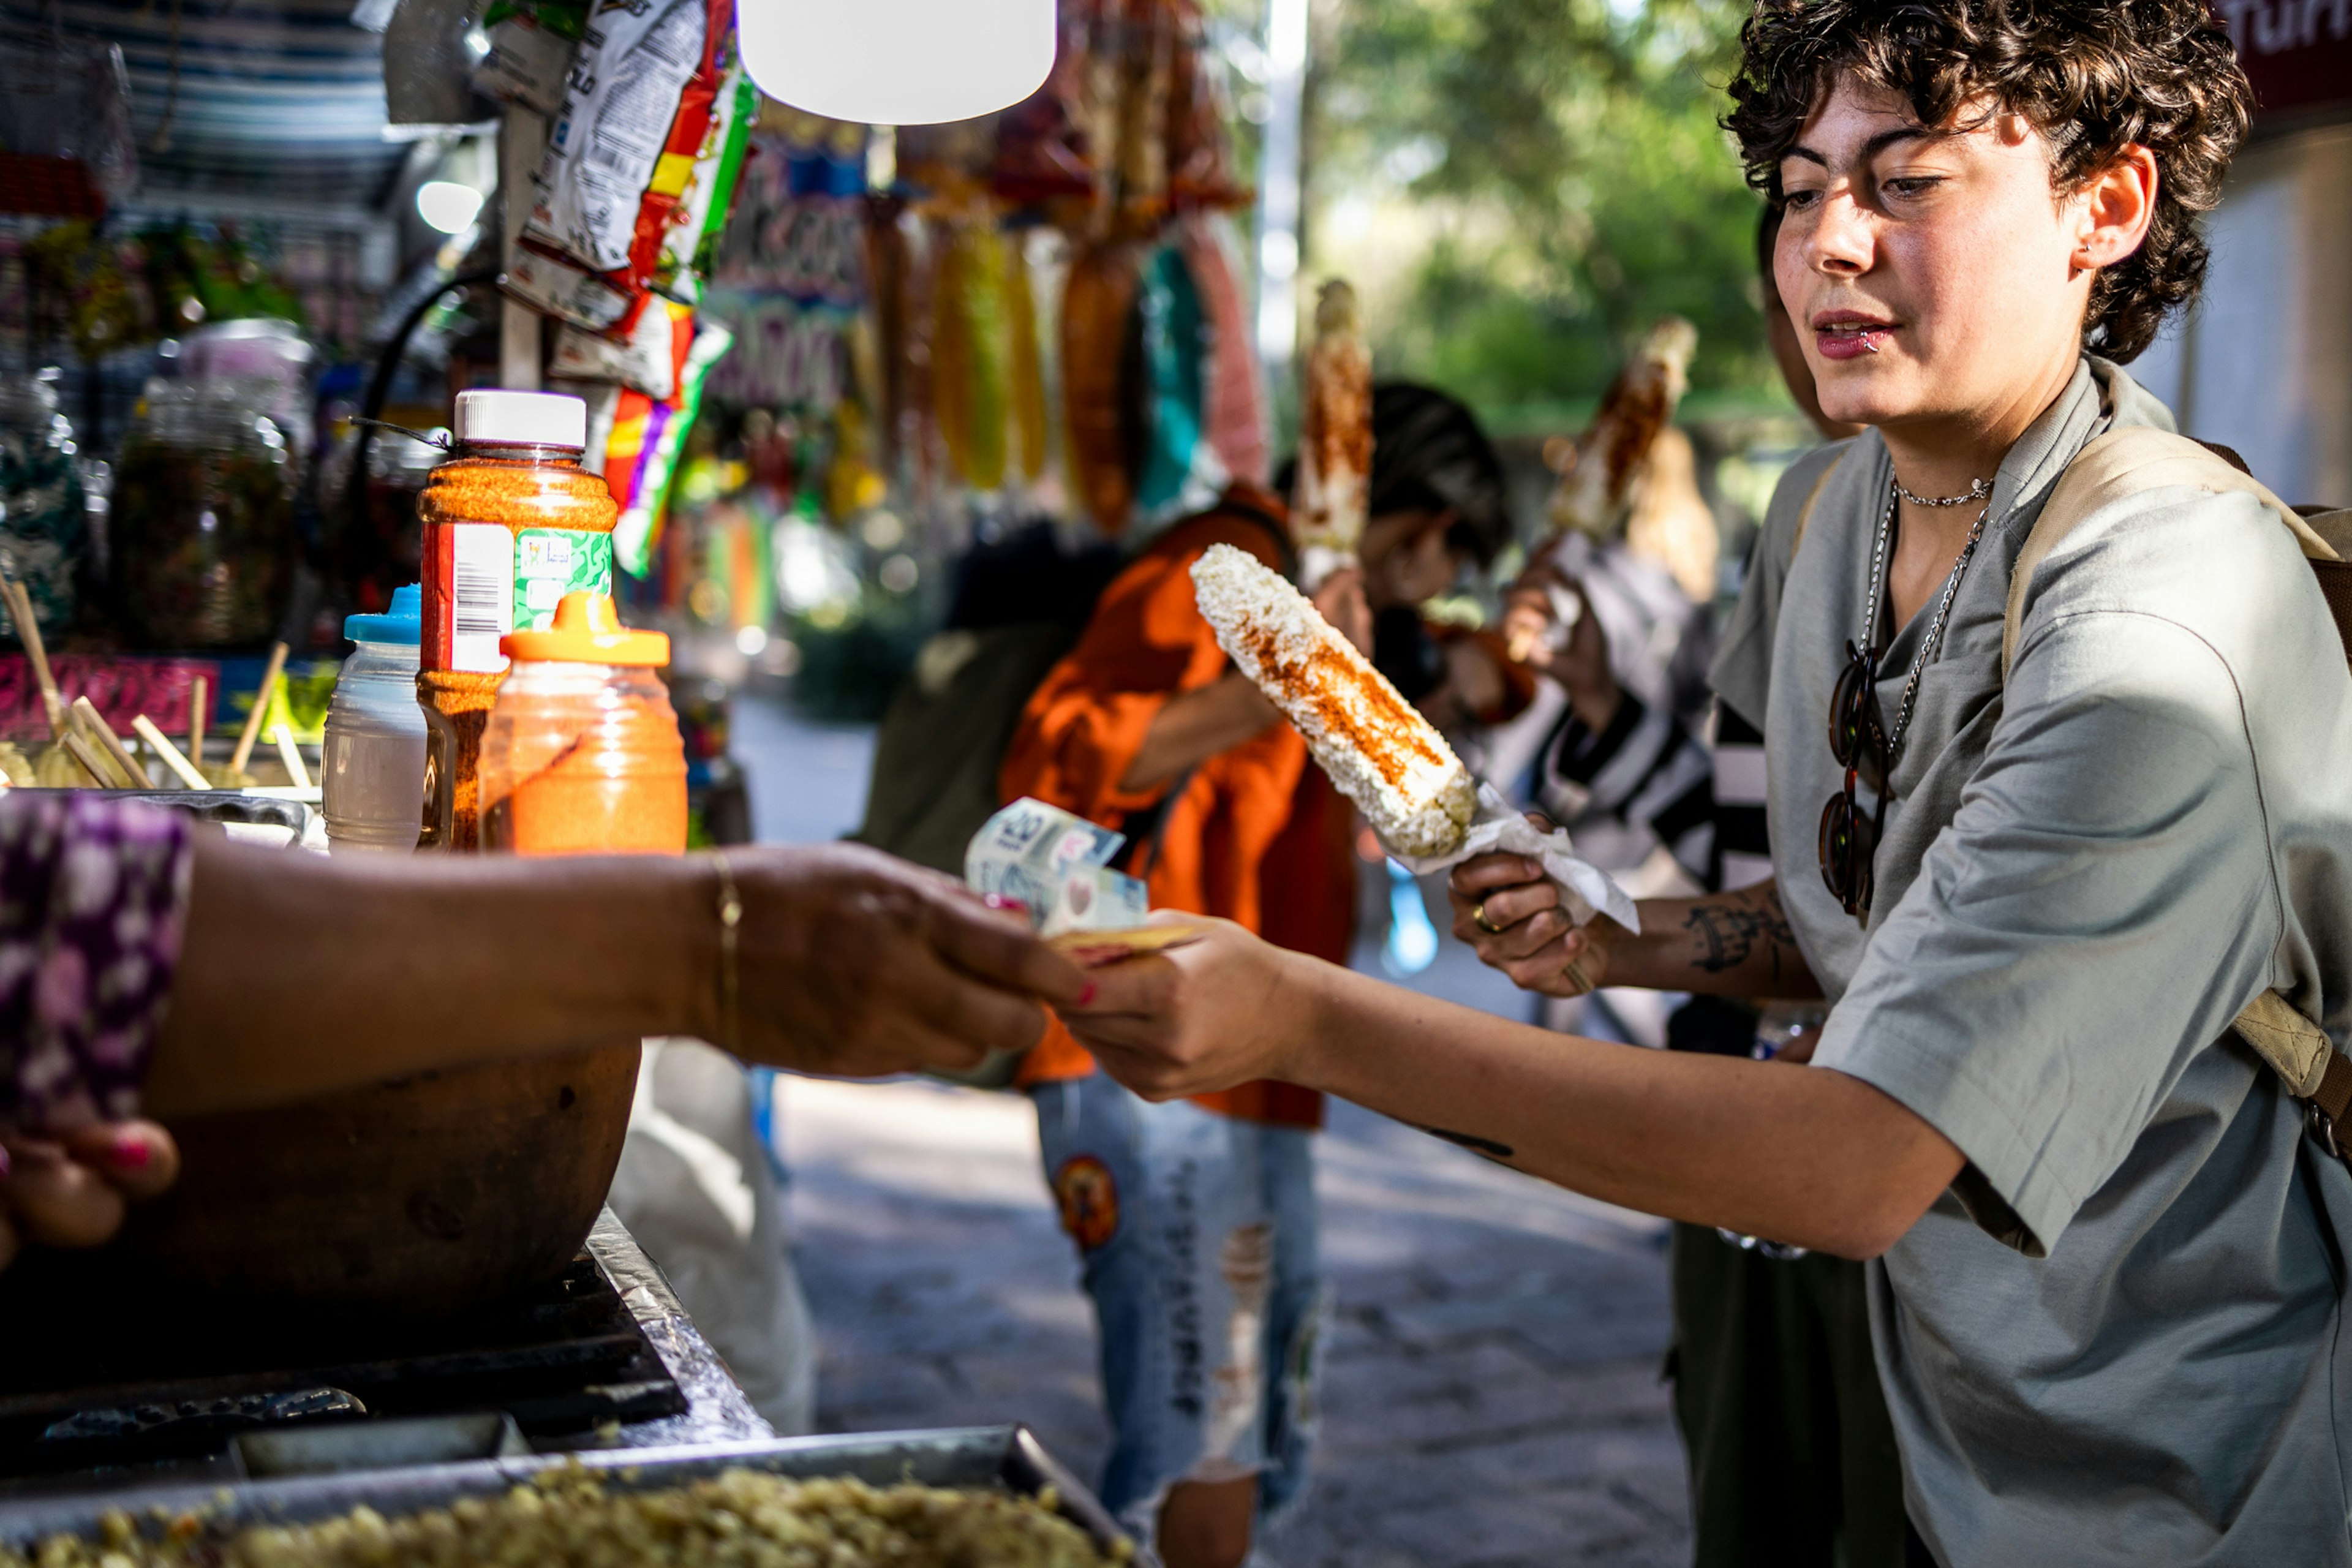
(1058, 865)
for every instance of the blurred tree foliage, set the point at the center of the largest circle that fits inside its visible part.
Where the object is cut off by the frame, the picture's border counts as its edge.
(1581, 186)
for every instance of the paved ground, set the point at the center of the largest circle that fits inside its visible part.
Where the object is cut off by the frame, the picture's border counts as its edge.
(1493, 1394)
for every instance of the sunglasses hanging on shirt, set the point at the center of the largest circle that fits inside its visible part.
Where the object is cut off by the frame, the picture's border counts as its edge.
(1859, 738)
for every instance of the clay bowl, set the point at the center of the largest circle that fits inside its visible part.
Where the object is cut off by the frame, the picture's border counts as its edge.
(412, 1200)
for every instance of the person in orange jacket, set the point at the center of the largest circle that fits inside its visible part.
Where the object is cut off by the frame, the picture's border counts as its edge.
(1195, 1221)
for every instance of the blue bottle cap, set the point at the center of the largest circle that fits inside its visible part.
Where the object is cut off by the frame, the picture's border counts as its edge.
(401, 624)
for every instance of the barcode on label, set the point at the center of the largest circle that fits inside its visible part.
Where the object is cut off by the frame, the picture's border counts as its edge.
(477, 599)
(481, 594)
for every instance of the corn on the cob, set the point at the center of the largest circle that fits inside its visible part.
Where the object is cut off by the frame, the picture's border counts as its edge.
(1380, 752)
(1335, 435)
(1594, 493)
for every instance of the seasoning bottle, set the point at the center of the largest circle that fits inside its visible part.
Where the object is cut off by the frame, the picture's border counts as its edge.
(583, 754)
(511, 523)
(373, 765)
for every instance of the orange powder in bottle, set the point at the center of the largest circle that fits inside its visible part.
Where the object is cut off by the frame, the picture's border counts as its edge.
(511, 525)
(582, 753)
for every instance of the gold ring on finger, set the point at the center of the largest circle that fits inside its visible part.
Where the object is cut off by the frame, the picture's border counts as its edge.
(1478, 918)
(1574, 974)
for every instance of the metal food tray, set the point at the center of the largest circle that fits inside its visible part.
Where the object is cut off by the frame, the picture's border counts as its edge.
(976, 1457)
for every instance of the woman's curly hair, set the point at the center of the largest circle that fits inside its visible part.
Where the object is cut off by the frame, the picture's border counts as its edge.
(2092, 76)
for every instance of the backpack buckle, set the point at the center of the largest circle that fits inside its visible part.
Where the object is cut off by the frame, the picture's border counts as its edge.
(2322, 1128)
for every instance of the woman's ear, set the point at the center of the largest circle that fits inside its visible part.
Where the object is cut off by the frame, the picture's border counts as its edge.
(2116, 204)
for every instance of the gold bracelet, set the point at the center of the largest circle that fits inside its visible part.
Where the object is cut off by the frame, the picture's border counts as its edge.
(730, 916)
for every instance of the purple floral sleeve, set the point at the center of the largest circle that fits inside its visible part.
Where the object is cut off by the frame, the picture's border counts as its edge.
(91, 896)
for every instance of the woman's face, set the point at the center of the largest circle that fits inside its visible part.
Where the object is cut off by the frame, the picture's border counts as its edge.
(1935, 276)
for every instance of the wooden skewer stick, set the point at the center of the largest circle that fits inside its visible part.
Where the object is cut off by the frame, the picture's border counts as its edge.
(244, 752)
(291, 755)
(79, 750)
(28, 632)
(154, 736)
(198, 711)
(102, 736)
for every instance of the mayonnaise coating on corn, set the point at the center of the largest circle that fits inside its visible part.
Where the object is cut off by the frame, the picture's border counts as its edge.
(1376, 747)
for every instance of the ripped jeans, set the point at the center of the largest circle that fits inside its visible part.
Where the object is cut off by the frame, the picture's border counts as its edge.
(1196, 1233)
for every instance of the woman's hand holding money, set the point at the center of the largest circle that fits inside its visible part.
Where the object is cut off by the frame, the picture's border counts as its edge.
(1229, 1008)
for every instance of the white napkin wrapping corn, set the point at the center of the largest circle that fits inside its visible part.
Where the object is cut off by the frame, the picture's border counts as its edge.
(1501, 828)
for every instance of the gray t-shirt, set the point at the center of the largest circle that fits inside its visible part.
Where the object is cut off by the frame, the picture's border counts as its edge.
(2113, 1341)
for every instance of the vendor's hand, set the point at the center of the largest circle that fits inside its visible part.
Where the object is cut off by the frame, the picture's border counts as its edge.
(853, 963)
(1339, 598)
(1220, 1012)
(68, 1189)
(1509, 912)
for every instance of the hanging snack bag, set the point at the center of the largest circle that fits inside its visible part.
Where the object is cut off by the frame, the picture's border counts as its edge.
(646, 361)
(531, 45)
(633, 441)
(687, 244)
(636, 116)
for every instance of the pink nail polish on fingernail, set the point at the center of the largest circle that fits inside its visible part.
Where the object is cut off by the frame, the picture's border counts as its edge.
(1088, 994)
(5, 1164)
(130, 1152)
(998, 901)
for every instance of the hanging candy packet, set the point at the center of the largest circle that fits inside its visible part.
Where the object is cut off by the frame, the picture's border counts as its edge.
(1232, 394)
(1097, 299)
(1028, 372)
(970, 352)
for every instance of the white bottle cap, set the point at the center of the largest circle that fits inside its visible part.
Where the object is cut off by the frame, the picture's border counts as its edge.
(522, 419)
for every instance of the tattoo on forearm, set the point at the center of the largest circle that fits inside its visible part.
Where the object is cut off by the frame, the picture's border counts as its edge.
(1476, 1144)
(1727, 933)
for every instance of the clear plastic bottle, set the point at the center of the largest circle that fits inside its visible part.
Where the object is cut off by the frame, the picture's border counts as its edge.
(373, 765)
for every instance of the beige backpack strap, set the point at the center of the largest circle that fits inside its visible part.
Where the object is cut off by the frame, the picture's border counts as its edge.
(1812, 497)
(2121, 463)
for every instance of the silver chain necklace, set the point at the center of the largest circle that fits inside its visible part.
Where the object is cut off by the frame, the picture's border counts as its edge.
(1978, 490)
(1934, 633)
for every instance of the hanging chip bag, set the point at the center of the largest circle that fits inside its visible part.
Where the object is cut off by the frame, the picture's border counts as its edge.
(532, 45)
(633, 441)
(636, 117)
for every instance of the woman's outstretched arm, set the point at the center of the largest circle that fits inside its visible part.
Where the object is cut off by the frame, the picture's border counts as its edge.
(298, 976)
(1799, 1154)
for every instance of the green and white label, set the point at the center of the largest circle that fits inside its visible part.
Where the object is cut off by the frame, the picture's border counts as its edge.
(549, 563)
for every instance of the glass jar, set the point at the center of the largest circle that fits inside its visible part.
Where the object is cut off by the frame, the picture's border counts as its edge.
(582, 754)
(202, 520)
(44, 510)
(371, 769)
(510, 523)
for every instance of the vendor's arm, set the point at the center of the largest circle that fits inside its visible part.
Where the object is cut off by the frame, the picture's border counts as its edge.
(1799, 1154)
(300, 975)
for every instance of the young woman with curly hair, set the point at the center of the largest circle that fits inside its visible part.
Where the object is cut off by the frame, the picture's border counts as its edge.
(2108, 1279)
